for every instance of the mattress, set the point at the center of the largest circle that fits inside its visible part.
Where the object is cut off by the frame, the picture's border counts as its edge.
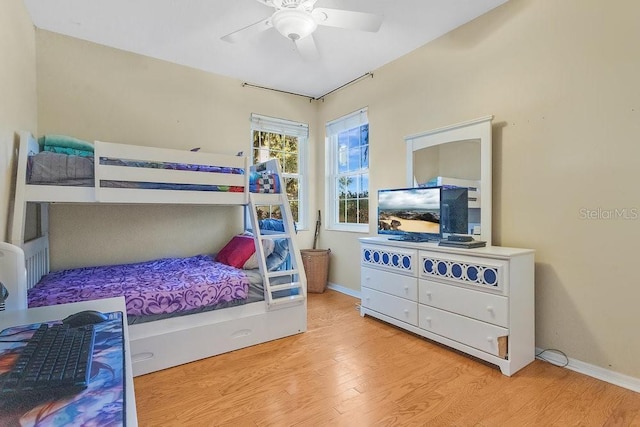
(49, 168)
(155, 289)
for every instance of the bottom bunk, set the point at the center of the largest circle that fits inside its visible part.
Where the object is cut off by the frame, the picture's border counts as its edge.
(153, 290)
(201, 307)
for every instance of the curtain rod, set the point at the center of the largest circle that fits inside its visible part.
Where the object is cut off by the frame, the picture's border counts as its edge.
(357, 79)
(369, 74)
(311, 98)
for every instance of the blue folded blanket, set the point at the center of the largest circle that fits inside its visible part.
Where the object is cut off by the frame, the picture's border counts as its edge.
(64, 144)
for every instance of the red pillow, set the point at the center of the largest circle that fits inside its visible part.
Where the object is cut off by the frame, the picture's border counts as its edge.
(237, 251)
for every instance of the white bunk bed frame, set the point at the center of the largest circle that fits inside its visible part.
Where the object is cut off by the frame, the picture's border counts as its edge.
(169, 342)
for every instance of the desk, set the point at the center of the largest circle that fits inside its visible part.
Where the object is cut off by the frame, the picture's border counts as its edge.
(57, 312)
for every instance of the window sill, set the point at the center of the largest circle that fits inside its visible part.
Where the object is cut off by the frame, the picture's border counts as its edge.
(364, 228)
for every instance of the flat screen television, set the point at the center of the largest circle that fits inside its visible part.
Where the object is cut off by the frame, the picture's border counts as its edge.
(423, 214)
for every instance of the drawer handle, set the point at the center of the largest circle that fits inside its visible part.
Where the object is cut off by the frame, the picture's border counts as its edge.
(428, 295)
(428, 320)
(490, 309)
(490, 339)
(406, 311)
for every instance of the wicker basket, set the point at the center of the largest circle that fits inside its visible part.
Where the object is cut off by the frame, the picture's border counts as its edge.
(316, 268)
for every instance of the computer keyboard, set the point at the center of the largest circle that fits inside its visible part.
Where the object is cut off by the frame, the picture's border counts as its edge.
(55, 361)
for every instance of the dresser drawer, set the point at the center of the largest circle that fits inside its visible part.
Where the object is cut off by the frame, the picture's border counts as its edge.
(391, 283)
(480, 273)
(468, 302)
(398, 260)
(392, 306)
(480, 335)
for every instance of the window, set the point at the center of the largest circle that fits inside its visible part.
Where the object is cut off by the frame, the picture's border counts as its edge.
(347, 188)
(286, 141)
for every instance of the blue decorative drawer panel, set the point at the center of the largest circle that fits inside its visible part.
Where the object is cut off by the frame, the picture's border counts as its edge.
(399, 260)
(486, 274)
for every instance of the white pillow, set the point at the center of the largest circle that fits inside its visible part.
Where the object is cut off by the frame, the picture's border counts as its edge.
(268, 245)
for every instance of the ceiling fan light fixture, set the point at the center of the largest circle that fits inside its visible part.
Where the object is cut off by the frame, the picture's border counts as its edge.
(294, 23)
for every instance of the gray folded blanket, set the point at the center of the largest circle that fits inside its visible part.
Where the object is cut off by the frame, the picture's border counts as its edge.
(55, 168)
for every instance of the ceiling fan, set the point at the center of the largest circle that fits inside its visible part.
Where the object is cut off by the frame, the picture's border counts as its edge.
(298, 19)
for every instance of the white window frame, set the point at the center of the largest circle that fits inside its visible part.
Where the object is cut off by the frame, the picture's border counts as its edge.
(333, 129)
(262, 123)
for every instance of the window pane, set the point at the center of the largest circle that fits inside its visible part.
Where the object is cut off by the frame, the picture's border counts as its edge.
(276, 154)
(290, 164)
(364, 135)
(282, 158)
(364, 185)
(354, 159)
(342, 211)
(354, 138)
(261, 155)
(277, 142)
(363, 211)
(291, 143)
(352, 211)
(341, 187)
(259, 139)
(343, 147)
(294, 210)
(292, 186)
(268, 211)
(352, 187)
(266, 139)
(364, 157)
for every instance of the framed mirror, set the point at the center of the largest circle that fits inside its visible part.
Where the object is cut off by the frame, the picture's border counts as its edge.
(458, 155)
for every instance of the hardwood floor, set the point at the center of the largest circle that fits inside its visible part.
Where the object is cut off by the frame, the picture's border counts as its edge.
(352, 371)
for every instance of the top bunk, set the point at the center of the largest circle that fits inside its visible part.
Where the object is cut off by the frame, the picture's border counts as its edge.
(66, 170)
(122, 173)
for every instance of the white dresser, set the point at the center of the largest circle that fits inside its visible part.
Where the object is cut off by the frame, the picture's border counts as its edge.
(479, 301)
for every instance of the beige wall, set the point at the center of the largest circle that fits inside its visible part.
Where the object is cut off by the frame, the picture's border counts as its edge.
(17, 93)
(561, 79)
(98, 93)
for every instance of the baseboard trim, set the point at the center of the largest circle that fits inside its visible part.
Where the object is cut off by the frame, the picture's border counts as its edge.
(603, 374)
(607, 375)
(344, 290)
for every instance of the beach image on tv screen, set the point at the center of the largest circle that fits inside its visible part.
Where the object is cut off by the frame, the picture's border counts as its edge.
(414, 210)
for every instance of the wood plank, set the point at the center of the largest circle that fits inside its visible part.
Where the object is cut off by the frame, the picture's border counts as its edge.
(348, 370)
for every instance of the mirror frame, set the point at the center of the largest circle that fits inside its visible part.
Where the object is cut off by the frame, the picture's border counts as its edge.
(478, 129)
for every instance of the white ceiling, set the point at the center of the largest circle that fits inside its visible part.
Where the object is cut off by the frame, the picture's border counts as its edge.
(188, 32)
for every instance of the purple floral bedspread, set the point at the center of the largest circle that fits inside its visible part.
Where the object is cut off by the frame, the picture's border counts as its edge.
(169, 285)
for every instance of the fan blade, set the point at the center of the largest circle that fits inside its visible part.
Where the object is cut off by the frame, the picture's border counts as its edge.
(347, 19)
(267, 2)
(249, 31)
(307, 48)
